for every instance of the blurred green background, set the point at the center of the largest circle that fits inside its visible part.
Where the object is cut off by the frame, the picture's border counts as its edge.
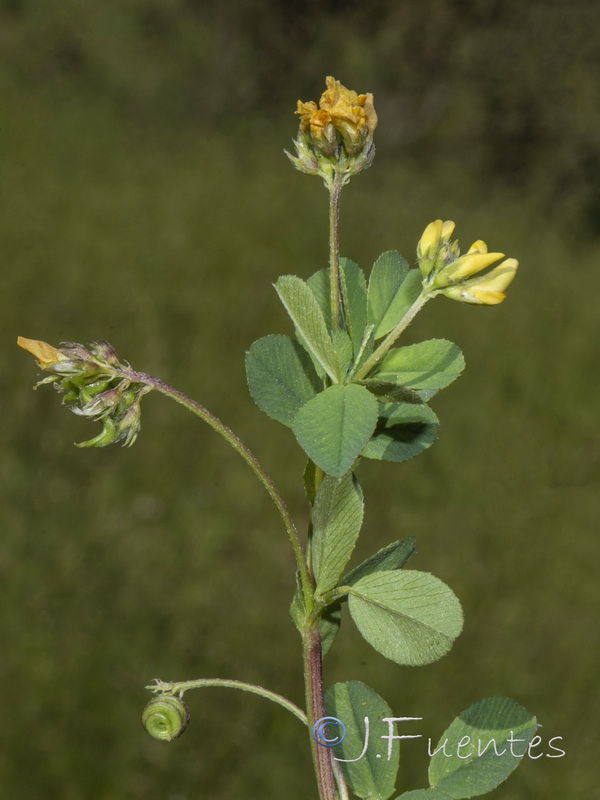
(145, 199)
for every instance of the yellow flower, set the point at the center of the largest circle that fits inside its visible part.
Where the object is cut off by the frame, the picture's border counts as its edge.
(433, 249)
(318, 124)
(471, 263)
(352, 114)
(435, 234)
(488, 289)
(45, 354)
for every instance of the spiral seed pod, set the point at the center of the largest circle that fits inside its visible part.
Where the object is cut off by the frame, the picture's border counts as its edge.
(166, 718)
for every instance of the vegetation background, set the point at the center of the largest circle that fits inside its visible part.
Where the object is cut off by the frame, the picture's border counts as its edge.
(145, 199)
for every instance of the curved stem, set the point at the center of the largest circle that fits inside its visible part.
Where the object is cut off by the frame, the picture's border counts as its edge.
(335, 191)
(389, 340)
(249, 457)
(165, 687)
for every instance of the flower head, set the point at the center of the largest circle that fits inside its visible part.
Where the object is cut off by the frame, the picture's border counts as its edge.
(336, 133)
(457, 276)
(352, 115)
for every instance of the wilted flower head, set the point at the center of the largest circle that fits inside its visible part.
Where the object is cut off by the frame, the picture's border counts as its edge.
(445, 271)
(342, 117)
(337, 132)
(94, 386)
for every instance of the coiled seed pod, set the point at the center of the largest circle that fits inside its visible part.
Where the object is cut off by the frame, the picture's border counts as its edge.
(166, 718)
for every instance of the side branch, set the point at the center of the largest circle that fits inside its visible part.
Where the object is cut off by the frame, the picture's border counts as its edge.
(178, 688)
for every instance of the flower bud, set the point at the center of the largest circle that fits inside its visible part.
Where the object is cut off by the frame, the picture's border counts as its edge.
(434, 250)
(488, 289)
(470, 264)
(430, 240)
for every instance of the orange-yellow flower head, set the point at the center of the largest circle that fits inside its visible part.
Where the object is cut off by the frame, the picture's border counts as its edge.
(351, 114)
(338, 132)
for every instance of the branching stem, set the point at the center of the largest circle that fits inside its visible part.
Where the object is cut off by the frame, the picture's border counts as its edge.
(389, 340)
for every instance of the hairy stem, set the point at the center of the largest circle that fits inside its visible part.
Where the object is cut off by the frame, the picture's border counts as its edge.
(178, 688)
(249, 457)
(335, 190)
(315, 707)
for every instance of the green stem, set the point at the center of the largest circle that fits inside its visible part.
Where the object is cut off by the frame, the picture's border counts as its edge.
(315, 707)
(168, 688)
(339, 593)
(339, 779)
(389, 340)
(335, 190)
(249, 457)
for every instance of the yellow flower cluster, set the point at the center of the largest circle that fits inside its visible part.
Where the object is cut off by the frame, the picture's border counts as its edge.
(341, 116)
(456, 276)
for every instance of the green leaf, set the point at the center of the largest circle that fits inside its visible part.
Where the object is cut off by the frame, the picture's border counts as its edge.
(329, 626)
(319, 286)
(374, 775)
(423, 794)
(354, 293)
(403, 431)
(406, 295)
(365, 350)
(487, 728)
(343, 348)
(334, 426)
(393, 556)
(304, 310)
(337, 520)
(313, 476)
(281, 377)
(409, 617)
(433, 364)
(387, 276)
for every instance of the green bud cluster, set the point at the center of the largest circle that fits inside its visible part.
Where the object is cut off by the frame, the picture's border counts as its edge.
(95, 385)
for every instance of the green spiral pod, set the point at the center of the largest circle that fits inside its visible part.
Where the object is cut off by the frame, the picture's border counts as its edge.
(166, 718)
